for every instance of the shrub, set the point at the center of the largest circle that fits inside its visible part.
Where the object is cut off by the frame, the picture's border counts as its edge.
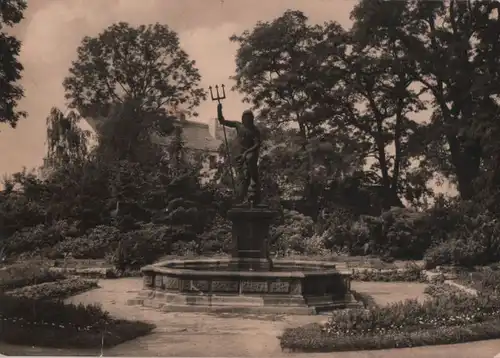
(98, 242)
(339, 229)
(295, 235)
(466, 252)
(218, 238)
(472, 239)
(18, 211)
(142, 247)
(458, 233)
(396, 233)
(50, 290)
(404, 235)
(39, 238)
(21, 275)
(443, 289)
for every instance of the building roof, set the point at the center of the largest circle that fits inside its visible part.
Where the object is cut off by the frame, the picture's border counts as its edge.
(196, 136)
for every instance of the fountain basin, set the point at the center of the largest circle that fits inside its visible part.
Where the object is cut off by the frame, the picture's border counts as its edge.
(293, 287)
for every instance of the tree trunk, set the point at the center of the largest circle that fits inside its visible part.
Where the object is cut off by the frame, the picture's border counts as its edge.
(466, 158)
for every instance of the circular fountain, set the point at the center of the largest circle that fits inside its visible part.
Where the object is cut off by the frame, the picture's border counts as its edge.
(249, 280)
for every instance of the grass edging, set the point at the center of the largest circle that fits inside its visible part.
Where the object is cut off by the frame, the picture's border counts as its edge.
(311, 338)
(114, 333)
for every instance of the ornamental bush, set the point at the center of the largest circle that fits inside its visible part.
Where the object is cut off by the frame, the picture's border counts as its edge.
(295, 235)
(39, 238)
(97, 242)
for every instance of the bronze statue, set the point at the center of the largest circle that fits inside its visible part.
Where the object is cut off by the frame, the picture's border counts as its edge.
(248, 137)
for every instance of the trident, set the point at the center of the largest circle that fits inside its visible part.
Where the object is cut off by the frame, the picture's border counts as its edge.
(219, 98)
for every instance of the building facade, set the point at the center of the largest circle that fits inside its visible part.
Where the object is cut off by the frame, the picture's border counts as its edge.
(198, 137)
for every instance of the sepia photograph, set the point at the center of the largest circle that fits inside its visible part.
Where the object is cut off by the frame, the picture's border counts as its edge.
(237, 178)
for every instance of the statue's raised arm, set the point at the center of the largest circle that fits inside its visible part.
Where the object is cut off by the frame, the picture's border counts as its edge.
(223, 121)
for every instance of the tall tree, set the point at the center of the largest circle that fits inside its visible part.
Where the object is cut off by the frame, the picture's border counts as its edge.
(371, 99)
(11, 13)
(276, 72)
(443, 39)
(349, 99)
(144, 64)
(279, 72)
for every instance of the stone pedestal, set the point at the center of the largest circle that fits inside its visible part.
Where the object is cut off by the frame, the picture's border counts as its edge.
(250, 237)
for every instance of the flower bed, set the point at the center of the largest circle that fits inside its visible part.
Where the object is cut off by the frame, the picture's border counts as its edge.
(55, 324)
(21, 275)
(442, 319)
(411, 273)
(313, 338)
(50, 290)
(88, 272)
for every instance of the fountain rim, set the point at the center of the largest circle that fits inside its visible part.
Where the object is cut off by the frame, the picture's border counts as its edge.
(167, 267)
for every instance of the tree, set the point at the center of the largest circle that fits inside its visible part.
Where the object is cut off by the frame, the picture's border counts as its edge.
(349, 99)
(11, 12)
(276, 72)
(372, 102)
(452, 47)
(67, 143)
(144, 64)
(279, 70)
(127, 133)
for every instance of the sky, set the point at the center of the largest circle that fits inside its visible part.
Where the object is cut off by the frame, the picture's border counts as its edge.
(53, 29)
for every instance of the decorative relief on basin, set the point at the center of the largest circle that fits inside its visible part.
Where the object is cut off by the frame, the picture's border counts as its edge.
(253, 287)
(159, 281)
(171, 283)
(148, 281)
(296, 288)
(196, 285)
(224, 286)
(303, 291)
(279, 287)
